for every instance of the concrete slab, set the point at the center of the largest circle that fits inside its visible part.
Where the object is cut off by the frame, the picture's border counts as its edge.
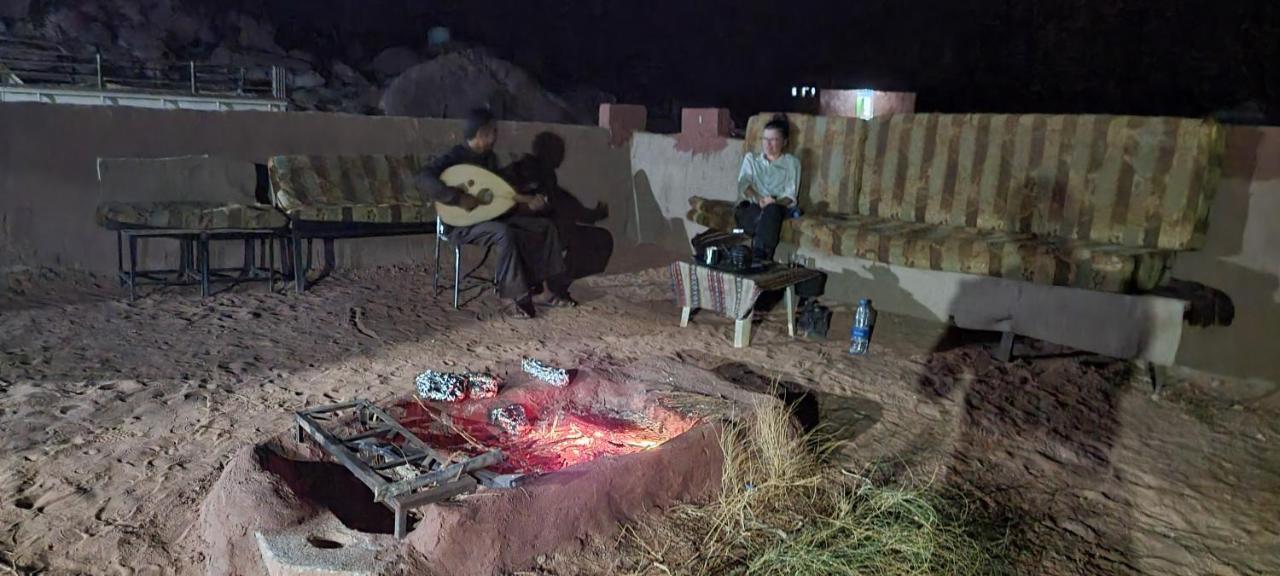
(322, 546)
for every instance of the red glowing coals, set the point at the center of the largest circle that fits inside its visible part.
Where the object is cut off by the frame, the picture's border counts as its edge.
(553, 441)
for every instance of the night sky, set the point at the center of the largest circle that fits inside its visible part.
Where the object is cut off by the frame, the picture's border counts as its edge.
(1176, 57)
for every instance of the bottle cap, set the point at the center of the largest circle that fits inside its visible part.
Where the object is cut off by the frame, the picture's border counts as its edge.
(864, 301)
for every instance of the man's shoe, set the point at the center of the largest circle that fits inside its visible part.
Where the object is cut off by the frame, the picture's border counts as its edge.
(559, 301)
(524, 308)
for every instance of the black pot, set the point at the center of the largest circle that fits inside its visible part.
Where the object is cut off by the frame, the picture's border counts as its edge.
(814, 320)
(739, 257)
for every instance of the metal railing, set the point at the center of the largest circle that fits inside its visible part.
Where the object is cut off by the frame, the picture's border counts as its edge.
(42, 63)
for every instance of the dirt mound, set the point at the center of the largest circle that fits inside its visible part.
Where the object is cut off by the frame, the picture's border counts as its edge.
(510, 529)
(281, 484)
(272, 487)
(251, 495)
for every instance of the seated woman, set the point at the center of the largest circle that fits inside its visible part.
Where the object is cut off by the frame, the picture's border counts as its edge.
(768, 183)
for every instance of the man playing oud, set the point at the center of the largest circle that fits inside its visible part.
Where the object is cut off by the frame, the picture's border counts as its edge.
(529, 250)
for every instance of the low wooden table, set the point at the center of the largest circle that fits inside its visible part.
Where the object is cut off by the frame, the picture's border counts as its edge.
(734, 294)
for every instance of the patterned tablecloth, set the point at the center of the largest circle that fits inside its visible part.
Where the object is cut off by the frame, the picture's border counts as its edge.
(731, 294)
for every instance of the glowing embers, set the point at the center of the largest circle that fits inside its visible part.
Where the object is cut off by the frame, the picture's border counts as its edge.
(549, 440)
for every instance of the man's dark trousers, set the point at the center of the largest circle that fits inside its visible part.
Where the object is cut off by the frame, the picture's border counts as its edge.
(529, 253)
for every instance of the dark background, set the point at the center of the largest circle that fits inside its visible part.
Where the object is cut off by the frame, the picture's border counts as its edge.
(1174, 57)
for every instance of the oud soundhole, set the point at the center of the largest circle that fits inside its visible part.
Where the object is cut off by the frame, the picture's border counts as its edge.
(485, 196)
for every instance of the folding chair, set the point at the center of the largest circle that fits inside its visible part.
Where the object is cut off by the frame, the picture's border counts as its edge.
(442, 235)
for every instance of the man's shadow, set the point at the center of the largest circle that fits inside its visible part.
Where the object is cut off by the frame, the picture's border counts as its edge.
(588, 248)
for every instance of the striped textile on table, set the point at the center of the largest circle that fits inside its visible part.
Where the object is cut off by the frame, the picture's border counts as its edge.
(701, 287)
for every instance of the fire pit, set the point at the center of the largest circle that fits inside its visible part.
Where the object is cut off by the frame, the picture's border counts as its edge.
(554, 432)
(432, 451)
(584, 457)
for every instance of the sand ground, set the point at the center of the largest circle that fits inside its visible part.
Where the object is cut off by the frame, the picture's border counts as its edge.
(116, 417)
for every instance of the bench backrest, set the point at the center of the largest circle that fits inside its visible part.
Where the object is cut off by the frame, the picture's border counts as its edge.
(830, 153)
(209, 179)
(311, 181)
(1137, 181)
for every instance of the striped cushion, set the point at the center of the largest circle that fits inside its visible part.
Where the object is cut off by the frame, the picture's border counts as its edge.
(830, 153)
(349, 188)
(1015, 256)
(1111, 179)
(189, 216)
(367, 213)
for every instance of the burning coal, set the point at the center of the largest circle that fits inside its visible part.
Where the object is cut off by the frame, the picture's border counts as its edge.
(556, 440)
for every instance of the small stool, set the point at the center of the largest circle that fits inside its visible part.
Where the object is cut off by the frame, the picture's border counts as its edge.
(734, 294)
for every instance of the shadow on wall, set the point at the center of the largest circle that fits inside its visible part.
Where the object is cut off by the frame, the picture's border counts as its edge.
(883, 287)
(588, 248)
(1034, 450)
(653, 226)
(1234, 240)
(1101, 322)
(807, 162)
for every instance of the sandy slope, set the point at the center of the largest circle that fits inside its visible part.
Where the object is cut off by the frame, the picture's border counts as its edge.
(115, 417)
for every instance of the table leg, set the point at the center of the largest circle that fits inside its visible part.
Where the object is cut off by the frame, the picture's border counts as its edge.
(402, 521)
(742, 331)
(790, 302)
(133, 266)
(1005, 352)
(684, 316)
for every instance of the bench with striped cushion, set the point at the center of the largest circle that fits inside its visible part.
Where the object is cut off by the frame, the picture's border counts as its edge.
(1096, 202)
(371, 189)
(196, 193)
(188, 215)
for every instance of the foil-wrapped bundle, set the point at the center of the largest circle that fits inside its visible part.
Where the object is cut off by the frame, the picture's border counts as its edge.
(441, 386)
(511, 419)
(550, 374)
(481, 385)
(375, 452)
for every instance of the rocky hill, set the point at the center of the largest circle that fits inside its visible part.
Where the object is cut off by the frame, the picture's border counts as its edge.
(333, 63)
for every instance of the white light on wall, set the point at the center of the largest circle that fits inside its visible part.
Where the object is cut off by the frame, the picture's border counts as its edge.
(804, 91)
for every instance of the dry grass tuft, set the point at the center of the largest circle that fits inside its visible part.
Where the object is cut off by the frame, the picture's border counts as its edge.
(783, 510)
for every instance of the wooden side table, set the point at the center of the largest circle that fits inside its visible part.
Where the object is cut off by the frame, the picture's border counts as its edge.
(734, 294)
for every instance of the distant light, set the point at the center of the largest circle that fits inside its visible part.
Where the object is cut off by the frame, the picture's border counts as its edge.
(793, 91)
(438, 35)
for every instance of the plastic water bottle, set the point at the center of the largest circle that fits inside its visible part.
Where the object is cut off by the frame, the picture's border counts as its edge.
(864, 319)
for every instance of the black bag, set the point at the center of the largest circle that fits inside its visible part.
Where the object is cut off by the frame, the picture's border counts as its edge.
(814, 320)
(724, 242)
(739, 258)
